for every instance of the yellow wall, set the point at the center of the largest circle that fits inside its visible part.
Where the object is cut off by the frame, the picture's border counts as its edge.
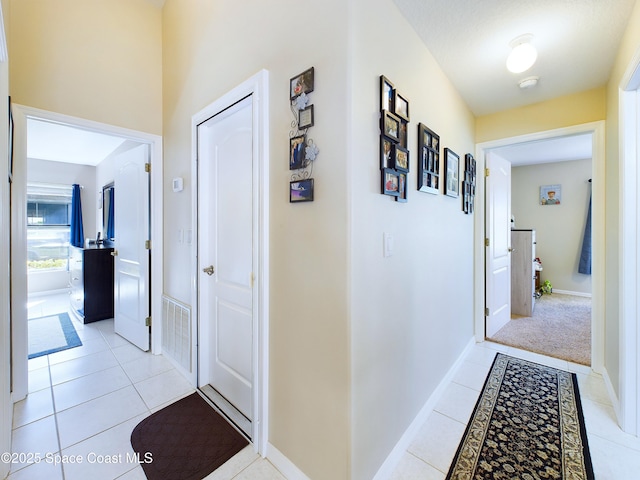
(629, 47)
(93, 59)
(209, 48)
(583, 107)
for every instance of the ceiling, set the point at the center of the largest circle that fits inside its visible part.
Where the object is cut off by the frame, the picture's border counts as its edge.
(577, 41)
(561, 149)
(62, 143)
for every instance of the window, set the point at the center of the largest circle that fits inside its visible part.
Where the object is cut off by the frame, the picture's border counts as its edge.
(48, 227)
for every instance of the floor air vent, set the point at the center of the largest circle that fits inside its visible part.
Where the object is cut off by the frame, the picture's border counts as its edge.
(176, 332)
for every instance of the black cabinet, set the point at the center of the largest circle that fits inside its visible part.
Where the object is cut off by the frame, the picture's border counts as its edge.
(91, 272)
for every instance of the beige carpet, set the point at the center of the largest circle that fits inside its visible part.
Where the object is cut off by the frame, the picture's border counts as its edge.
(560, 327)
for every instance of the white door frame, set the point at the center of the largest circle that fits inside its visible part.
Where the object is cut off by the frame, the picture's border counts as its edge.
(629, 254)
(19, 254)
(597, 129)
(258, 87)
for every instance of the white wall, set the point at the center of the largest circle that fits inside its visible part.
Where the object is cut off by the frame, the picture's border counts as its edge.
(60, 173)
(411, 313)
(559, 228)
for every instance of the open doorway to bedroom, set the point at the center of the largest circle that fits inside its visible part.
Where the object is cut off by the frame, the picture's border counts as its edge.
(554, 302)
(55, 155)
(551, 282)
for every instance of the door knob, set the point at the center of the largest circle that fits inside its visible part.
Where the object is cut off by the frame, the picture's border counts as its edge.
(114, 253)
(208, 270)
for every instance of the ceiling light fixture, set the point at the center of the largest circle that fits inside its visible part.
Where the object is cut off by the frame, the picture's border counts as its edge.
(528, 82)
(523, 55)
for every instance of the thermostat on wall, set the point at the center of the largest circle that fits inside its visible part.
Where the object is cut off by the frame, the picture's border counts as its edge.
(177, 184)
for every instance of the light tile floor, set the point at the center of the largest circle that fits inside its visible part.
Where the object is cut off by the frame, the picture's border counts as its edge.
(84, 402)
(615, 454)
(88, 400)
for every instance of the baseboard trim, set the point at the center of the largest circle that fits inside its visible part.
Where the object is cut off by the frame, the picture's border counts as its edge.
(283, 464)
(568, 292)
(392, 460)
(612, 395)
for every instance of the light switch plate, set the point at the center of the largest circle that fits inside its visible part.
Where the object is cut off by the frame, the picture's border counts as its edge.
(388, 244)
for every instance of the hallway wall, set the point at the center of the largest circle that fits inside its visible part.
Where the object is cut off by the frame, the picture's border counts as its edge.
(629, 48)
(412, 312)
(209, 48)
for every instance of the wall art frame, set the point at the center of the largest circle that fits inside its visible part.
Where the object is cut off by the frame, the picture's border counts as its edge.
(306, 117)
(387, 94)
(390, 126)
(401, 107)
(386, 153)
(402, 187)
(390, 182)
(550, 194)
(400, 158)
(302, 83)
(452, 173)
(429, 160)
(301, 190)
(469, 184)
(297, 146)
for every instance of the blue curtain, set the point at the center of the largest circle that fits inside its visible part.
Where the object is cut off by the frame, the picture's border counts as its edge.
(110, 220)
(77, 232)
(585, 254)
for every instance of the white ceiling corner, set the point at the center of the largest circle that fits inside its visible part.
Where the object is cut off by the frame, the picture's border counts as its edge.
(577, 41)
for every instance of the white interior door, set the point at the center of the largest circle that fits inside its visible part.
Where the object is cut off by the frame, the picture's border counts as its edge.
(227, 243)
(498, 252)
(131, 234)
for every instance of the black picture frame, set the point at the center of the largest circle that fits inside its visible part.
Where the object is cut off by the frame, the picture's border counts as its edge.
(401, 106)
(469, 184)
(302, 83)
(403, 190)
(400, 158)
(297, 152)
(452, 173)
(429, 160)
(386, 153)
(387, 94)
(301, 190)
(390, 182)
(390, 125)
(403, 136)
(306, 117)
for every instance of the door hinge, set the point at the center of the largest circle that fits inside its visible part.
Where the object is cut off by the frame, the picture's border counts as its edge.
(486, 311)
(147, 244)
(253, 278)
(486, 172)
(486, 242)
(147, 322)
(147, 167)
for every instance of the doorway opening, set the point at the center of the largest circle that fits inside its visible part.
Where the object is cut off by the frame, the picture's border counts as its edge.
(549, 246)
(42, 176)
(482, 232)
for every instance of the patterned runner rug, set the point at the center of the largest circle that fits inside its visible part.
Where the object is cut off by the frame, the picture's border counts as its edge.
(527, 424)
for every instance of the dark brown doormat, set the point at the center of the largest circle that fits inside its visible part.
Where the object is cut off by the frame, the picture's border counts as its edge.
(185, 441)
(528, 423)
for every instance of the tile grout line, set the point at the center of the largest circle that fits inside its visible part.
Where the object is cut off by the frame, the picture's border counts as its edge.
(55, 416)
